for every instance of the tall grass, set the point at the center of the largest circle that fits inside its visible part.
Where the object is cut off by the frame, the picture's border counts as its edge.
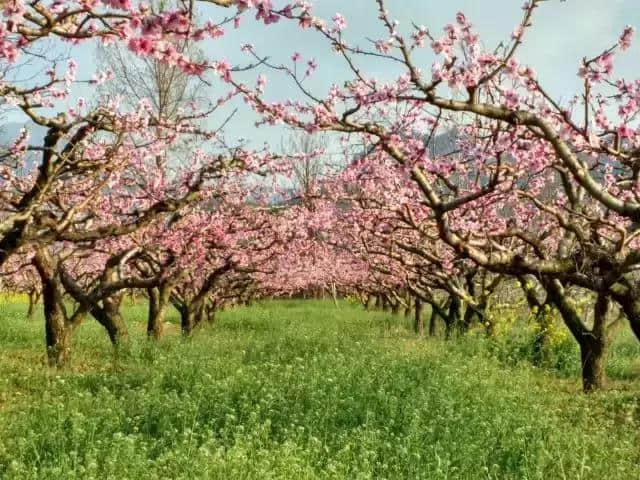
(298, 390)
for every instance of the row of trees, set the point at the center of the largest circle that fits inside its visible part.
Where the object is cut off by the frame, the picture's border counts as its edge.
(460, 180)
(529, 189)
(135, 189)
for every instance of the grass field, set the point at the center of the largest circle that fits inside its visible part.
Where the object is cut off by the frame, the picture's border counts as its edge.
(297, 390)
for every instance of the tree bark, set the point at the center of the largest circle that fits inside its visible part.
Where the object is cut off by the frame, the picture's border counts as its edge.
(630, 304)
(158, 304)
(594, 342)
(369, 302)
(58, 329)
(386, 303)
(453, 317)
(408, 307)
(211, 314)
(34, 297)
(112, 320)
(593, 355)
(418, 323)
(395, 307)
(470, 318)
(190, 317)
(433, 323)
(594, 348)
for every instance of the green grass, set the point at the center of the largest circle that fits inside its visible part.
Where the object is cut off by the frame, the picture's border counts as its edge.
(298, 390)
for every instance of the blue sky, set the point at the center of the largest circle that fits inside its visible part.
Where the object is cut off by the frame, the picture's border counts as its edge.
(563, 33)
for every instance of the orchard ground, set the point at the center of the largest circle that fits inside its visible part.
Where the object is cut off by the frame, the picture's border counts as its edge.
(305, 389)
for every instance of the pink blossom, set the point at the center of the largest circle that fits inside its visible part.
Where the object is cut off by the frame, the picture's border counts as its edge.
(627, 37)
(512, 100)
(624, 131)
(339, 23)
(141, 46)
(223, 68)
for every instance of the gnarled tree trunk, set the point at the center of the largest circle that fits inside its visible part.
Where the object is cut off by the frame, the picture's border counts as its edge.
(158, 303)
(111, 319)
(594, 342)
(58, 329)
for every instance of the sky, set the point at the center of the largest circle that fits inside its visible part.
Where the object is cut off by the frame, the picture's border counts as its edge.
(563, 33)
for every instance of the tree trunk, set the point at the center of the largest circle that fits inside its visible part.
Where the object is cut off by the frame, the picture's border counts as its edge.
(418, 323)
(369, 302)
(378, 302)
(158, 303)
(34, 296)
(155, 316)
(57, 329)
(469, 319)
(211, 314)
(154, 330)
(594, 348)
(395, 307)
(433, 323)
(631, 307)
(594, 342)
(593, 354)
(408, 307)
(386, 303)
(191, 316)
(110, 318)
(453, 317)
(334, 294)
